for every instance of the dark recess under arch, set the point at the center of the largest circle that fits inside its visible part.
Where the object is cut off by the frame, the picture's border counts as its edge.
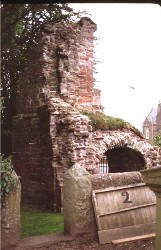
(124, 159)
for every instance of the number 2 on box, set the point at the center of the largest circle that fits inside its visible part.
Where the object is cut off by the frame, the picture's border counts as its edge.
(126, 194)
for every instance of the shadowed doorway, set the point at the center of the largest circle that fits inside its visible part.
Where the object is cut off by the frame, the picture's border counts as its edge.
(124, 159)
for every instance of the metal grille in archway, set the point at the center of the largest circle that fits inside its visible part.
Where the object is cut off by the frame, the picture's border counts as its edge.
(103, 165)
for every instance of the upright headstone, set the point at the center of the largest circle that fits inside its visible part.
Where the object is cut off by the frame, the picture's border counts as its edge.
(78, 210)
(10, 218)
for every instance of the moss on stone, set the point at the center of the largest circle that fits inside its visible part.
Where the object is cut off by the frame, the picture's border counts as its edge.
(104, 122)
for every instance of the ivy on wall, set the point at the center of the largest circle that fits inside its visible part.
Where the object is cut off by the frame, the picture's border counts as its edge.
(8, 178)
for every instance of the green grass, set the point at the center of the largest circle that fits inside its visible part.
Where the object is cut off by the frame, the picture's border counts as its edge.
(104, 122)
(35, 221)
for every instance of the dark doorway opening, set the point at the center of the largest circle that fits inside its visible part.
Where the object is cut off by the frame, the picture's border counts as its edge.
(124, 159)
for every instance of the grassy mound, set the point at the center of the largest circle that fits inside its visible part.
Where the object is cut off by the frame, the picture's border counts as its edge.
(104, 122)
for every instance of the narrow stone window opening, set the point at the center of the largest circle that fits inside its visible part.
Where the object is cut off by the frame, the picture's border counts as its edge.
(147, 133)
(124, 159)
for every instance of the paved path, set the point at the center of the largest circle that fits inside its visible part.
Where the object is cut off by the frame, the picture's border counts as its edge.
(42, 241)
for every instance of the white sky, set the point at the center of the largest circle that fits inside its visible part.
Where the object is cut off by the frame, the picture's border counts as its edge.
(130, 51)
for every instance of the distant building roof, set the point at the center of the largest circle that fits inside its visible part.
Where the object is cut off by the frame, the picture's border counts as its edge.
(152, 116)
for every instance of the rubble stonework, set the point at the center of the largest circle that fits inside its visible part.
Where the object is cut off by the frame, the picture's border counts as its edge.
(50, 133)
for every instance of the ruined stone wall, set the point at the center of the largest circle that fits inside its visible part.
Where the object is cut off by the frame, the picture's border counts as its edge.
(49, 132)
(87, 147)
(56, 83)
(27, 154)
(76, 142)
(68, 68)
(32, 158)
(111, 139)
(61, 66)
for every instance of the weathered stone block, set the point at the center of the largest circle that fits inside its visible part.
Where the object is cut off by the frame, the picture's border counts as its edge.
(78, 210)
(10, 218)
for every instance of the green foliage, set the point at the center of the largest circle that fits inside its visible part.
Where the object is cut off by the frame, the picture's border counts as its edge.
(8, 179)
(157, 139)
(35, 221)
(104, 122)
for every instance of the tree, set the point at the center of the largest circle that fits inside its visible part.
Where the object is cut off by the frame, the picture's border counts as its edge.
(157, 139)
(21, 24)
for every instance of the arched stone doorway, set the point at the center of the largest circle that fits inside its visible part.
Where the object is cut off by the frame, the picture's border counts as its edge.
(124, 151)
(124, 159)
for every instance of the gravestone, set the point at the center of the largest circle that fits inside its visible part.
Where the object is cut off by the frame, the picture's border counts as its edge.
(78, 211)
(10, 218)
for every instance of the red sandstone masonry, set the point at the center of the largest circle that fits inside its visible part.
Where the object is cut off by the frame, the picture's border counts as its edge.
(49, 132)
(59, 67)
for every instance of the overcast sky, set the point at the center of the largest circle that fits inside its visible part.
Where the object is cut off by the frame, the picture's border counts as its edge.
(130, 51)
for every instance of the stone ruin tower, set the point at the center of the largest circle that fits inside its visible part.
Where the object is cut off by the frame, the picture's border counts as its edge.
(49, 131)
